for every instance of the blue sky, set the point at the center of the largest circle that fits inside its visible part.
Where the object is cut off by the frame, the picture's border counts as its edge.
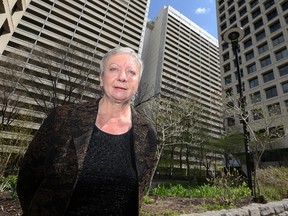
(201, 12)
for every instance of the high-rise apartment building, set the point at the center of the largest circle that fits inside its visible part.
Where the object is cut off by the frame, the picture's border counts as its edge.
(54, 47)
(263, 62)
(11, 12)
(182, 60)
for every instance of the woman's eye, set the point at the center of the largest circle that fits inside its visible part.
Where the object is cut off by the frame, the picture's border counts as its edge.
(113, 69)
(132, 73)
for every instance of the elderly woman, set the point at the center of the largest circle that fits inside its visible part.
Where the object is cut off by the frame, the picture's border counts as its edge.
(94, 158)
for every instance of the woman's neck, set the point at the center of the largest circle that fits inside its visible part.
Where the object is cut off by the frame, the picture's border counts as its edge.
(113, 118)
(114, 110)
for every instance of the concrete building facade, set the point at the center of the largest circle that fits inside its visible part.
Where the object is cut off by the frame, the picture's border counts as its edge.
(55, 46)
(182, 60)
(263, 62)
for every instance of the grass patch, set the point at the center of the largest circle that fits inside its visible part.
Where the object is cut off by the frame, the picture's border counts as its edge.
(203, 191)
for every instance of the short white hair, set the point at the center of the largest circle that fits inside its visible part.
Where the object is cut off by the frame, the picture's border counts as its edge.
(120, 50)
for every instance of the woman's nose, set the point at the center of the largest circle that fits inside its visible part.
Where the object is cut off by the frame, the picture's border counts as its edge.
(122, 75)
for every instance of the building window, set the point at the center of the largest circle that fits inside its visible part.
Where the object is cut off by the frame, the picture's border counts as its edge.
(283, 70)
(262, 48)
(247, 31)
(231, 10)
(253, 3)
(274, 109)
(221, 9)
(268, 4)
(223, 26)
(243, 87)
(243, 11)
(258, 24)
(230, 2)
(281, 54)
(249, 55)
(272, 14)
(227, 68)
(257, 114)
(276, 132)
(240, 61)
(265, 61)
(230, 121)
(225, 46)
(285, 87)
(278, 39)
(286, 104)
(229, 92)
(240, 3)
(251, 68)
(17, 7)
(253, 82)
(236, 74)
(226, 56)
(268, 76)
(256, 12)
(230, 105)
(275, 26)
(285, 6)
(232, 19)
(271, 92)
(244, 21)
(247, 43)
(255, 97)
(222, 18)
(260, 35)
(227, 79)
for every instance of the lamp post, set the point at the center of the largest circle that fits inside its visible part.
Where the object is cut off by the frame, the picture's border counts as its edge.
(233, 36)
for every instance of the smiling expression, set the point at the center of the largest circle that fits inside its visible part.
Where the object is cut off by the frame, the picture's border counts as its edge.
(121, 77)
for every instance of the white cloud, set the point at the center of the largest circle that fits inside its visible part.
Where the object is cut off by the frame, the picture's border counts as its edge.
(202, 10)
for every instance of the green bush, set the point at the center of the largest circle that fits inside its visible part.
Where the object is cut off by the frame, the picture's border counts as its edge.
(9, 184)
(273, 182)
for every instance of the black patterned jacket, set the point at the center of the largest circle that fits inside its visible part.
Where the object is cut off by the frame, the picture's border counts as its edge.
(54, 158)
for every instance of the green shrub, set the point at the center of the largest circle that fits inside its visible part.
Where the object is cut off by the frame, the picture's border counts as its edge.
(9, 184)
(273, 182)
(148, 200)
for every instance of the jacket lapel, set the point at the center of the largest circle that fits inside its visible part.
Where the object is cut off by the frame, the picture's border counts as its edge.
(86, 117)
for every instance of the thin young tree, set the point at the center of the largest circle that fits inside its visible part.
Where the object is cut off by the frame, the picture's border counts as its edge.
(265, 131)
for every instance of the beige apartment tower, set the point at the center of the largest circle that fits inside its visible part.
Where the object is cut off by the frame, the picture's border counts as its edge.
(263, 63)
(182, 60)
(49, 50)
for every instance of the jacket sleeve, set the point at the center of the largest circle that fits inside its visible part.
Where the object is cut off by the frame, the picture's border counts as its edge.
(31, 172)
(151, 162)
(153, 149)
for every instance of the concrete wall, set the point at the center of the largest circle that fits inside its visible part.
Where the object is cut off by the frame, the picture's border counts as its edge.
(279, 208)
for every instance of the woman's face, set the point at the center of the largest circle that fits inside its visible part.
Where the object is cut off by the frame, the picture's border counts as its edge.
(120, 78)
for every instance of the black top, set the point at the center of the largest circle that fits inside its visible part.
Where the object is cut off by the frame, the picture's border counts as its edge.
(107, 184)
